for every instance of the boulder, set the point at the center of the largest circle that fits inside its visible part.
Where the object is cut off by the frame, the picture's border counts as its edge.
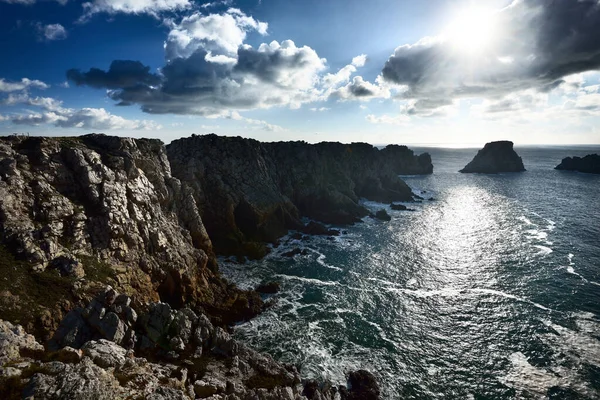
(382, 215)
(105, 353)
(268, 287)
(495, 157)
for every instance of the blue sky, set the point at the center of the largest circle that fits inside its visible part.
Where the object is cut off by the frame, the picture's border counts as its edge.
(412, 72)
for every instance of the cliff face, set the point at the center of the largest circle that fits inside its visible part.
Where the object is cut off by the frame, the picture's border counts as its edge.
(494, 158)
(81, 212)
(251, 192)
(589, 164)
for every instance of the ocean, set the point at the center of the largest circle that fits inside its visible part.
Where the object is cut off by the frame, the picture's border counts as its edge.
(489, 291)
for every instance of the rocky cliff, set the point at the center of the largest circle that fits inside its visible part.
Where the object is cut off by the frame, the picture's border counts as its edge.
(78, 213)
(250, 192)
(495, 157)
(589, 164)
(106, 255)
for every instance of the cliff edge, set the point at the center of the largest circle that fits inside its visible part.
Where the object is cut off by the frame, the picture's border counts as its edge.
(250, 193)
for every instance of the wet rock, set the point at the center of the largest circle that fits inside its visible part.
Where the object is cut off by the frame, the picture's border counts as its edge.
(269, 287)
(398, 207)
(382, 215)
(292, 253)
(363, 386)
(315, 228)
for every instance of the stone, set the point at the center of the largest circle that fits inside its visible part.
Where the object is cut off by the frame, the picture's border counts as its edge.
(14, 340)
(268, 287)
(382, 215)
(398, 207)
(105, 353)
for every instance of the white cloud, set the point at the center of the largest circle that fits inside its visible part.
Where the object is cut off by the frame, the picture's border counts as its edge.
(217, 34)
(52, 31)
(359, 61)
(320, 109)
(52, 112)
(150, 7)
(256, 122)
(24, 84)
(389, 120)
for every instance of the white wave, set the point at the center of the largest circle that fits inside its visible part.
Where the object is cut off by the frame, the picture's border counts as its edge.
(527, 378)
(510, 296)
(321, 260)
(543, 249)
(537, 234)
(570, 257)
(526, 220)
(308, 280)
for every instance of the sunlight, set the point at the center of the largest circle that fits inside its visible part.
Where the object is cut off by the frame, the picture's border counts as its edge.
(473, 30)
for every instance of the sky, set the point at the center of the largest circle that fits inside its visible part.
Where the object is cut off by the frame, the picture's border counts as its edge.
(429, 72)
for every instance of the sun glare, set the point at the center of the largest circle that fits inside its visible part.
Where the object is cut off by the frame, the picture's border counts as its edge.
(473, 30)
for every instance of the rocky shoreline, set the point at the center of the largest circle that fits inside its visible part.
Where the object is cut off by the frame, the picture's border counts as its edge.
(82, 215)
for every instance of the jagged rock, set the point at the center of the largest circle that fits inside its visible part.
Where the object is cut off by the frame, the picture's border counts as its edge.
(495, 157)
(363, 386)
(13, 340)
(259, 190)
(82, 381)
(69, 355)
(315, 228)
(106, 209)
(382, 215)
(105, 353)
(398, 207)
(589, 164)
(292, 253)
(268, 287)
(157, 321)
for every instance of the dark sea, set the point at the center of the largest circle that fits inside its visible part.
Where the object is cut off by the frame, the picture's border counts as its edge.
(489, 291)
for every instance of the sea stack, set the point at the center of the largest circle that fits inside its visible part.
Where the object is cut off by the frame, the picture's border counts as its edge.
(589, 164)
(495, 157)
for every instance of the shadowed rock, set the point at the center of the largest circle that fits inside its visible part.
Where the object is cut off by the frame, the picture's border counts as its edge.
(589, 164)
(494, 158)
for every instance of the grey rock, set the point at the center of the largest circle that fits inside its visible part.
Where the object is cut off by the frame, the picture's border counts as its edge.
(105, 353)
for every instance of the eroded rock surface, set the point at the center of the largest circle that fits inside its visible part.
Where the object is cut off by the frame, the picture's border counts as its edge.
(176, 354)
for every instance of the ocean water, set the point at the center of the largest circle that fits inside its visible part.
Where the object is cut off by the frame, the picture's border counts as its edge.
(490, 291)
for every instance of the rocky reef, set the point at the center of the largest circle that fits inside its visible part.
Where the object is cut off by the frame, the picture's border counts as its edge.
(589, 164)
(108, 257)
(495, 157)
(250, 193)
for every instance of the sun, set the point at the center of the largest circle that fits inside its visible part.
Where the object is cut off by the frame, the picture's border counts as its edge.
(473, 30)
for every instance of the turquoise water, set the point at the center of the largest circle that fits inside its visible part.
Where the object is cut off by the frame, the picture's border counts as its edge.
(491, 291)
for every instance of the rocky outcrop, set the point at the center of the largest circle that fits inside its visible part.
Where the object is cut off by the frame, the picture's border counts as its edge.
(589, 164)
(77, 213)
(177, 354)
(495, 157)
(250, 192)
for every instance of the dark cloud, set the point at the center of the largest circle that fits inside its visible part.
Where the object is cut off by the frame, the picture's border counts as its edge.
(537, 44)
(121, 73)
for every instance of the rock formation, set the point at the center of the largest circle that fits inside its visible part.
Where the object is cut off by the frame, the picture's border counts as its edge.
(163, 354)
(495, 157)
(589, 164)
(250, 192)
(80, 213)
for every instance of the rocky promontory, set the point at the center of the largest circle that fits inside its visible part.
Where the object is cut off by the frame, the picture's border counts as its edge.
(108, 258)
(250, 193)
(495, 157)
(589, 164)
